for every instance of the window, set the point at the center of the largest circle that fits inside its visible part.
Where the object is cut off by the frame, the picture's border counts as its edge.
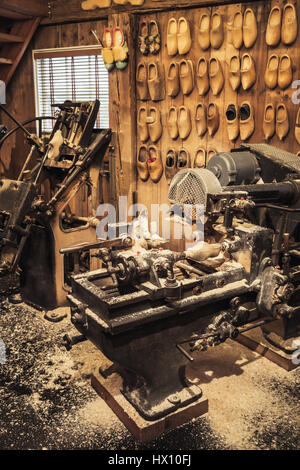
(75, 74)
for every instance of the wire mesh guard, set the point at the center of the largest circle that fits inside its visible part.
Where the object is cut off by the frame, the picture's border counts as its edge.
(278, 155)
(191, 186)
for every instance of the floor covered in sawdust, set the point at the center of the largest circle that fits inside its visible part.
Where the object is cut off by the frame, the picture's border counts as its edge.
(46, 401)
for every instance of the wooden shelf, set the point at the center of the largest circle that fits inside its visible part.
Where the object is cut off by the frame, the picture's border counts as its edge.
(10, 38)
(5, 61)
(16, 50)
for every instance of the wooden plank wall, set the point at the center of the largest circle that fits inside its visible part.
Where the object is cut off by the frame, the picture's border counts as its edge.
(258, 95)
(20, 93)
(20, 98)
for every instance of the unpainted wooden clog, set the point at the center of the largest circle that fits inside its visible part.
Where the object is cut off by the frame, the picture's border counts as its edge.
(234, 74)
(213, 119)
(249, 28)
(202, 78)
(269, 121)
(216, 76)
(232, 121)
(273, 32)
(201, 119)
(217, 31)
(204, 31)
(271, 73)
(282, 121)
(248, 72)
(289, 28)
(246, 119)
(184, 39)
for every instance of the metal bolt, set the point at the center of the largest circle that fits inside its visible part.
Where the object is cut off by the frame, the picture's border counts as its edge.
(220, 283)
(198, 290)
(235, 302)
(174, 399)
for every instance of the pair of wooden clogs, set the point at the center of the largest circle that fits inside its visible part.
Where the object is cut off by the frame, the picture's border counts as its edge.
(150, 81)
(207, 119)
(149, 37)
(115, 50)
(149, 163)
(282, 25)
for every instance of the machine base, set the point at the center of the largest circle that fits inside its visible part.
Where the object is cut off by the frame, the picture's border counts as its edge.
(158, 408)
(256, 341)
(109, 384)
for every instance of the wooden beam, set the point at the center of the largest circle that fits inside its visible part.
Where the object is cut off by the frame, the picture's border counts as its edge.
(12, 14)
(27, 8)
(62, 11)
(122, 103)
(10, 38)
(16, 51)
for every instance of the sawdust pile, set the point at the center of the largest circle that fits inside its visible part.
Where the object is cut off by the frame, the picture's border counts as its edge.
(253, 403)
(46, 400)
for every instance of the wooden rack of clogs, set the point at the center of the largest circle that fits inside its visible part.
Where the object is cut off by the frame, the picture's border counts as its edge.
(218, 63)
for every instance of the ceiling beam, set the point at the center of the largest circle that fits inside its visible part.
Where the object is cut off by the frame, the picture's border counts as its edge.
(23, 8)
(15, 52)
(12, 15)
(4, 37)
(64, 11)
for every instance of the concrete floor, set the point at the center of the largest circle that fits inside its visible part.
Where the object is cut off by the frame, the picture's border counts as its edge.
(46, 401)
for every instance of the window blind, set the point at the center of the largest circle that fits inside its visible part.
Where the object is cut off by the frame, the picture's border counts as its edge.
(62, 74)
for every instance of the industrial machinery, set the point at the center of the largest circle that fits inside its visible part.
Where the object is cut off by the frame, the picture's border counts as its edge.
(53, 203)
(147, 310)
(146, 306)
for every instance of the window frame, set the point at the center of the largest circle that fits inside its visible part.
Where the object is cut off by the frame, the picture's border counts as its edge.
(73, 51)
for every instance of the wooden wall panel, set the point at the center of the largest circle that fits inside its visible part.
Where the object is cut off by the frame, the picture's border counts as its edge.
(258, 95)
(20, 102)
(20, 93)
(20, 99)
(278, 96)
(123, 112)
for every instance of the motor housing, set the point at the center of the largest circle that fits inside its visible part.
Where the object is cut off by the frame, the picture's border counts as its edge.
(235, 168)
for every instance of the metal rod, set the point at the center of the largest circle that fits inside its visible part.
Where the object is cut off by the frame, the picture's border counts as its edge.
(93, 246)
(211, 335)
(278, 208)
(256, 325)
(283, 192)
(29, 121)
(15, 120)
(41, 168)
(184, 352)
(26, 162)
(190, 269)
